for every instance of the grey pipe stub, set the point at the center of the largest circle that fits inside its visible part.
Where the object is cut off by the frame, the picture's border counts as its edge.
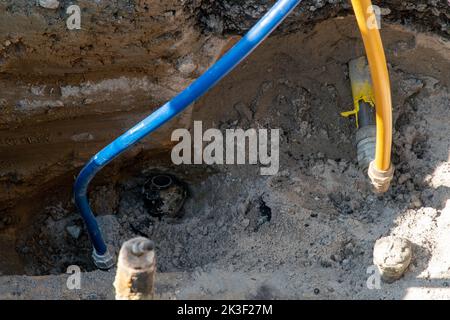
(392, 256)
(136, 270)
(164, 195)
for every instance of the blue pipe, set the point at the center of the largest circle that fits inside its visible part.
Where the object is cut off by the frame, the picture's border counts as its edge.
(212, 76)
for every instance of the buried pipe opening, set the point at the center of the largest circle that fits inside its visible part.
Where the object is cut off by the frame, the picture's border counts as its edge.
(164, 195)
(161, 182)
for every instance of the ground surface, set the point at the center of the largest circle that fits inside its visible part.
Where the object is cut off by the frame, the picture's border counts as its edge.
(317, 241)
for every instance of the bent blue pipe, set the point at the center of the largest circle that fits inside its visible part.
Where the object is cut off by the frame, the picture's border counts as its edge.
(198, 88)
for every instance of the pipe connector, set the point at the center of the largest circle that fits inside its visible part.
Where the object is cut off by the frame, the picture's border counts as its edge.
(136, 270)
(365, 145)
(104, 261)
(381, 180)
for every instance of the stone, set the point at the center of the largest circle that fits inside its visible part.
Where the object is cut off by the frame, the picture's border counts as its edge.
(82, 137)
(186, 65)
(403, 178)
(49, 4)
(392, 256)
(415, 201)
(74, 231)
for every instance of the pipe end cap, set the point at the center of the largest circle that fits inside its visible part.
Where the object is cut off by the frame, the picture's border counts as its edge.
(104, 261)
(381, 180)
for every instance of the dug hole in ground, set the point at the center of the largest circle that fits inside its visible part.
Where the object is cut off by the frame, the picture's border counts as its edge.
(307, 232)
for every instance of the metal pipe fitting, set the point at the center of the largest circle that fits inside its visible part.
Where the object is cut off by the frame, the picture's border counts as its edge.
(136, 270)
(104, 261)
(381, 180)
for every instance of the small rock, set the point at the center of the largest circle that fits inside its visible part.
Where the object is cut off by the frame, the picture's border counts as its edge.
(73, 231)
(25, 250)
(242, 207)
(415, 202)
(92, 296)
(392, 256)
(403, 178)
(336, 258)
(245, 223)
(421, 7)
(49, 4)
(82, 137)
(385, 11)
(186, 65)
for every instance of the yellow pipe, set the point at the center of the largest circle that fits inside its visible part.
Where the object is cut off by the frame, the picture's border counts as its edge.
(380, 80)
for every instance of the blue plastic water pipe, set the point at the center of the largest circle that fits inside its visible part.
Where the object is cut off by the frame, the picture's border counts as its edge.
(212, 76)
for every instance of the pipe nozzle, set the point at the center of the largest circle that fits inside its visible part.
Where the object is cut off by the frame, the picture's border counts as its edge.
(381, 180)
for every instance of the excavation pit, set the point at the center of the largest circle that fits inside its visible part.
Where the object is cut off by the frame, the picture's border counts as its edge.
(306, 232)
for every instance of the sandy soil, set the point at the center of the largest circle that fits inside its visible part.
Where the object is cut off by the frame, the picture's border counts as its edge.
(317, 241)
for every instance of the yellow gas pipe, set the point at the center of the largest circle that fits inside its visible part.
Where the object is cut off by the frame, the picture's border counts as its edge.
(381, 170)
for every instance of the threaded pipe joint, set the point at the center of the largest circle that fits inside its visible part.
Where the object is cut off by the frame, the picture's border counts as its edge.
(381, 180)
(104, 261)
(365, 145)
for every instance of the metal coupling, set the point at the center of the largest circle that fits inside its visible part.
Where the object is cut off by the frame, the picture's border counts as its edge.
(381, 180)
(103, 262)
